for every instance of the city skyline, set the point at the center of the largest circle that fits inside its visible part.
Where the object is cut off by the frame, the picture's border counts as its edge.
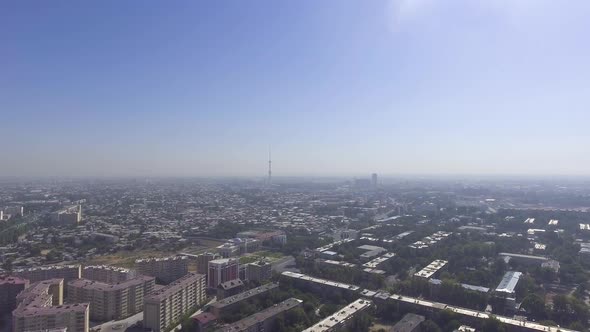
(342, 88)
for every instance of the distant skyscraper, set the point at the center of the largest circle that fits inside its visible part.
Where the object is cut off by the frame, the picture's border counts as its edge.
(374, 180)
(269, 167)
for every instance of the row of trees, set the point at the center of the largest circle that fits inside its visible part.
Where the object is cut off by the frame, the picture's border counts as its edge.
(565, 311)
(448, 291)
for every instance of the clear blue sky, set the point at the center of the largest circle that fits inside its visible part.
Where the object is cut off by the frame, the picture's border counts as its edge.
(336, 87)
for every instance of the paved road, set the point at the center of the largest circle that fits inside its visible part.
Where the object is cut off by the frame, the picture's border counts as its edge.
(213, 300)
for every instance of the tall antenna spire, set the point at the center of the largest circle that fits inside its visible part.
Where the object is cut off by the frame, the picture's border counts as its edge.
(269, 167)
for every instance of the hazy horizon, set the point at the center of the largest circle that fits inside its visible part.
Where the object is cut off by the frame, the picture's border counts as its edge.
(340, 88)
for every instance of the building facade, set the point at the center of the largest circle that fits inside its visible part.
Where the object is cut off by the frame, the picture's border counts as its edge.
(166, 306)
(203, 261)
(10, 287)
(35, 274)
(264, 320)
(166, 269)
(68, 215)
(111, 301)
(40, 307)
(259, 271)
(107, 274)
(222, 270)
(230, 304)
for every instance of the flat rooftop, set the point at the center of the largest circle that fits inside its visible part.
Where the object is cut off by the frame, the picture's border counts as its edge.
(337, 263)
(244, 295)
(368, 247)
(32, 311)
(5, 280)
(539, 258)
(408, 323)
(320, 281)
(404, 234)
(174, 287)
(333, 244)
(222, 261)
(431, 269)
(379, 260)
(477, 314)
(106, 267)
(509, 281)
(162, 259)
(341, 315)
(48, 268)
(97, 285)
(259, 317)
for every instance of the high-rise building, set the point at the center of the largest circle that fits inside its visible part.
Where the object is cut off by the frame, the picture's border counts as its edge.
(10, 287)
(165, 269)
(222, 270)
(34, 274)
(374, 182)
(108, 274)
(111, 301)
(40, 307)
(167, 305)
(203, 261)
(259, 271)
(53, 287)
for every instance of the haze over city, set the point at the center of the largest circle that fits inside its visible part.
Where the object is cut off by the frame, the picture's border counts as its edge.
(295, 166)
(200, 88)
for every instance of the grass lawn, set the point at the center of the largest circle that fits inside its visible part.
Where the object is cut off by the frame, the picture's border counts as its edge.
(255, 256)
(126, 258)
(270, 254)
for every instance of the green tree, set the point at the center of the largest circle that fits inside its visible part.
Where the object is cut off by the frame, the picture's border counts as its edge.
(188, 325)
(492, 324)
(360, 323)
(296, 317)
(535, 305)
(430, 326)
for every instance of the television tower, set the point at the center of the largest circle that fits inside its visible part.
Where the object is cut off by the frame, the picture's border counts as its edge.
(269, 167)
